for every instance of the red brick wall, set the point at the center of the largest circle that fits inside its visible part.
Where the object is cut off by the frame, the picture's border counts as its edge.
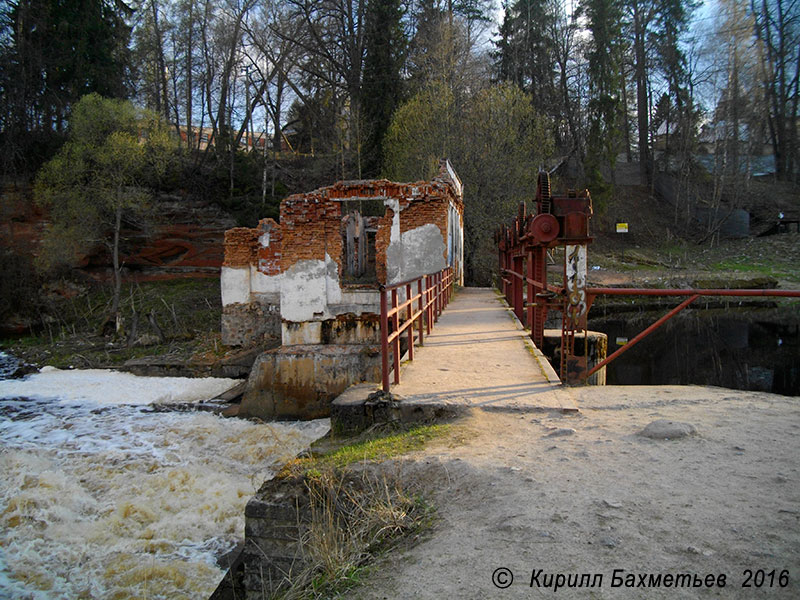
(241, 245)
(432, 210)
(269, 257)
(382, 240)
(310, 224)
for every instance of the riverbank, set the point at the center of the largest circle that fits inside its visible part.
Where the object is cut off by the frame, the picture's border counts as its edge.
(586, 493)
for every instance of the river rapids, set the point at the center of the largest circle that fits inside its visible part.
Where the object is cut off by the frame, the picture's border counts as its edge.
(107, 493)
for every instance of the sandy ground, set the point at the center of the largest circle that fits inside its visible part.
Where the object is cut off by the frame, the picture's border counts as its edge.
(585, 493)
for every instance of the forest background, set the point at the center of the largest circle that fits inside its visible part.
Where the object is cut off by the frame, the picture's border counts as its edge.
(262, 98)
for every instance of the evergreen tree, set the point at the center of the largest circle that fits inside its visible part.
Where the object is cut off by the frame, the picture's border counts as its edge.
(53, 53)
(605, 84)
(382, 85)
(526, 52)
(672, 21)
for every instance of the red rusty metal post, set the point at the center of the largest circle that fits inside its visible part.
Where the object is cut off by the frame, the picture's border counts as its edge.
(530, 290)
(539, 259)
(440, 305)
(409, 319)
(435, 312)
(504, 274)
(517, 288)
(421, 312)
(384, 342)
(429, 302)
(396, 341)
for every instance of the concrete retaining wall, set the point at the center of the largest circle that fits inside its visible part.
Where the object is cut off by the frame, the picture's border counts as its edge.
(300, 382)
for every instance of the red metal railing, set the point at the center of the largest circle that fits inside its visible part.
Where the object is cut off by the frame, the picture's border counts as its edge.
(692, 296)
(425, 299)
(512, 290)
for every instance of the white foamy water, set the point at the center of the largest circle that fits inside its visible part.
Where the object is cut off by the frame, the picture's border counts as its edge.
(102, 498)
(102, 386)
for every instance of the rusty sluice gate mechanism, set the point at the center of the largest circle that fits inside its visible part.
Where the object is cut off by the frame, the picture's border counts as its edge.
(559, 221)
(563, 221)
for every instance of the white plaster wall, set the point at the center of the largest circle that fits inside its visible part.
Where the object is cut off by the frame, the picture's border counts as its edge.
(333, 291)
(455, 243)
(264, 284)
(303, 293)
(394, 204)
(235, 285)
(366, 298)
(419, 251)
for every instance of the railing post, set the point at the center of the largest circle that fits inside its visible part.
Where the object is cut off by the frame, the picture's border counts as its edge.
(428, 302)
(384, 343)
(438, 295)
(530, 294)
(421, 312)
(538, 257)
(409, 312)
(510, 284)
(396, 342)
(517, 289)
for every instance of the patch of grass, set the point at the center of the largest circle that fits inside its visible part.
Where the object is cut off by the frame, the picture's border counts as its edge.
(385, 447)
(375, 449)
(353, 518)
(747, 265)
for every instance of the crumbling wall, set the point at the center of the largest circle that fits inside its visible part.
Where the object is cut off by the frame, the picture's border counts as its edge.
(298, 282)
(410, 241)
(301, 381)
(250, 285)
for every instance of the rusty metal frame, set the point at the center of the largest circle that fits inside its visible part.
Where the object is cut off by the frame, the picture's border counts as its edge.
(522, 246)
(693, 295)
(592, 293)
(433, 292)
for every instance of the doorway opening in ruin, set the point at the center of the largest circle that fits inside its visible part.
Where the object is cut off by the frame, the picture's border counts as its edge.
(358, 240)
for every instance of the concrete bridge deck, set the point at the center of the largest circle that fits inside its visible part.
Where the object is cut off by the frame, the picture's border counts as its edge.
(477, 356)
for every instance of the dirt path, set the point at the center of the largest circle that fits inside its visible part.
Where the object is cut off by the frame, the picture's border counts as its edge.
(586, 494)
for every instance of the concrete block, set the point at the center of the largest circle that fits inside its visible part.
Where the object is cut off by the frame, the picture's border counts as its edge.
(299, 382)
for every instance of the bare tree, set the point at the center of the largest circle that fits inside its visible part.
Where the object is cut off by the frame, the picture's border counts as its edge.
(777, 28)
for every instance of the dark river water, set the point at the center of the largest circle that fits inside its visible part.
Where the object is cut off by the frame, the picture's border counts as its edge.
(739, 349)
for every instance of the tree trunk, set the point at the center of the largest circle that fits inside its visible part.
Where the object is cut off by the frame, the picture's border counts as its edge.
(189, 68)
(640, 74)
(117, 267)
(162, 68)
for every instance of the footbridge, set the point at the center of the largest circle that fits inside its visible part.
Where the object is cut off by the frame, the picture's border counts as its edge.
(478, 355)
(447, 350)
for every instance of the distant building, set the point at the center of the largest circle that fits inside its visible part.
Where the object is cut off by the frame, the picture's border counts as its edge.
(204, 137)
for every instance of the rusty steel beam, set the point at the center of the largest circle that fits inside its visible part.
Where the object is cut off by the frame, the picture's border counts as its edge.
(690, 292)
(642, 335)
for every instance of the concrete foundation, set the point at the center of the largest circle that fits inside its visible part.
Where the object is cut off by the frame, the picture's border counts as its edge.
(362, 406)
(300, 382)
(598, 348)
(276, 520)
(252, 324)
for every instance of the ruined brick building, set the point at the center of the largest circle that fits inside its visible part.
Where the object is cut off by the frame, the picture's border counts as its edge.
(310, 283)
